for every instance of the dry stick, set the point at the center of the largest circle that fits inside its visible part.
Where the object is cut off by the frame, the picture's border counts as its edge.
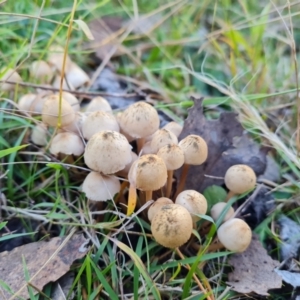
(185, 169)
(195, 277)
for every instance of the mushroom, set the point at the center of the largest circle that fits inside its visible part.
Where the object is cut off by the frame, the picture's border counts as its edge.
(139, 120)
(76, 125)
(56, 112)
(157, 205)
(98, 121)
(195, 153)
(75, 76)
(9, 75)
(173, 157)
(98, 103)
(72, 100)
(161, 138)
(39, 134)
(174, 127)
(239, 179)
(99, 187)
(124, 172)
(56, 57)
(146, 149)
(235, 235)
(218, 208)
(25, 102)
(172, 226)
(107, 152)
(41, 71)
(194, 202)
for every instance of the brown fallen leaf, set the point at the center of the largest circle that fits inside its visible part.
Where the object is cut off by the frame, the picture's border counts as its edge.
(42, 263)
(227, 146)
(254, 270)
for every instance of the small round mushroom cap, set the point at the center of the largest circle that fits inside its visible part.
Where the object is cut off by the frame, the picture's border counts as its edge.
(235, 235)
(25, 102)
(41, 71)
(66, 85)
(98, 103)
(139, 120)
(39, 134)
(147, 149)
(124, 172)
(98, 121)
(148, 173)
(157, 205)
(99, 187)
(76, 125)
(51, 110)
(194, 202)
(174, 127)
(56, 57)
(67, 143)
(240, 179)
(172, 155)
(195, 149)
(72, 100)
(9, 75)
(161, 138)
(107, 152)
(218, 208)
(76, 76)
(172, 226)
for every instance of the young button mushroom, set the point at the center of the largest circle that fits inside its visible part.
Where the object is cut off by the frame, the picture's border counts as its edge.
(25, 102)
(107, 152)
(161, 138)
(99, 187)
(173, 157)
(51, 111)
(195, 153)
(76, 77)
(98, 121)
(98, 103)
(239, 179)
(194, 202)
(72, 100)
(218, 208)
(9, 75)
(172, 226)
(139, 120)
(156, 206)
(235, 235)
(174, 127)
(39, 134)
(41, 71)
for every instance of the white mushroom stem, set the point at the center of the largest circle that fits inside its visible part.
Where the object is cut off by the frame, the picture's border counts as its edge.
(169, 183)
(148, 195)
(184, 172)
(140, 143)
(230, 195)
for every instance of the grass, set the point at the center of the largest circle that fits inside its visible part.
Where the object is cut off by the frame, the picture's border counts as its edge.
(241, 56)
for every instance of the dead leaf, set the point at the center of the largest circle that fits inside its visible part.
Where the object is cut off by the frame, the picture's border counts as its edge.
(254, 270)
(41, 266)
(85, 28)
(227, 146)
(291, 278)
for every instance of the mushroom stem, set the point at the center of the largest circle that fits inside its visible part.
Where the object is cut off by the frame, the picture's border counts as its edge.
(185, 169)
(148, 195)
(124, 185)
(169, 183)
(140, 143)
(229, 196)
(131, 199)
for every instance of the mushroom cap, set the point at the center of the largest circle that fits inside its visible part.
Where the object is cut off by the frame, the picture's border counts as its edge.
(37, 104)
(139, 120)
(9, 75)
(72, 100)
(98, 103)
(174, 127)
(240, 179)
(67, 143)
(25, 102)
(124, 172)
(194, 202)
(217, 209)
(148, 173)
(39, 134)
(235, 235)
(41, 70)
(50, 111)
(161, 138)
(99, 121)
(172, 155)
(195, 149)
(107, 152)
(157, 205)
(76, 77)
(172, 226)
(99, 187)
(56, 56)
(66, 84)
(147, 149)
(76, 125)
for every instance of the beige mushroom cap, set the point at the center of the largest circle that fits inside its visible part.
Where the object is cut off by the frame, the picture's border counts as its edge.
(218, 208)
(235, 235)
(157, 205)
(146, 149)
(161, 138)
(25, 102)
(195, 149)
(107, 152)
(99, 187)
(9, 75)
(51, 110)
(240, 179)
(172, 226)
(124, 172)
(41, 71)
(98, 121)
(148, 173)
(67, 143)
(174, 127)
(55, 58)
(76, 77)
(172, 155)
(194, 202)
(98, 103)
(76, 125)
(139, 120)
(39, 134)
(72, 100)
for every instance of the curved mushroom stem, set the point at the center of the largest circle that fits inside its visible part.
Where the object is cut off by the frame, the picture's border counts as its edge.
(230, 195)
(140, 143)
(169, 183)
(148, 195)
(131, 199)
(185, 169)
